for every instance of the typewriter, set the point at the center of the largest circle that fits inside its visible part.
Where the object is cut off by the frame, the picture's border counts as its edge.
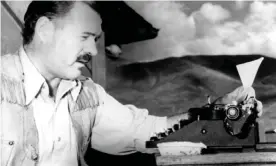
(221, 127)
(224, 127)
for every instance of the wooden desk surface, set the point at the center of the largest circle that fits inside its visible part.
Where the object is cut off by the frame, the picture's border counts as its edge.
(252, 158)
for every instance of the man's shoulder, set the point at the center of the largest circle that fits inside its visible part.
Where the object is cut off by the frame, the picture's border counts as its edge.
(11, 80)
(86, 81)
(89, 86)
(90, 94)
(7, 61)
(9, 66)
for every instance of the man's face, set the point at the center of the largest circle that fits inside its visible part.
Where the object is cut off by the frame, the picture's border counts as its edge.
(75, 36)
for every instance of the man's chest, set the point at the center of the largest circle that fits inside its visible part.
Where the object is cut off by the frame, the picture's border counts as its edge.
(56, 133)
(53, 120)
(20, 131)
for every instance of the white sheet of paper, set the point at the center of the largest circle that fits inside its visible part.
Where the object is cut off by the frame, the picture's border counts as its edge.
(247, 71)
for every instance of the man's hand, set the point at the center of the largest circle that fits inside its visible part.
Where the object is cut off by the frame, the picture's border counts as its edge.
(171, 121)
(238, 95)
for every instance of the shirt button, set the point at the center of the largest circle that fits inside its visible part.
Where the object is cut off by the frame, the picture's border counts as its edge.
(11, 142)
(34, 157)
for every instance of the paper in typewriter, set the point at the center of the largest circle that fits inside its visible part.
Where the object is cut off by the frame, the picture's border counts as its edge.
(247, 71)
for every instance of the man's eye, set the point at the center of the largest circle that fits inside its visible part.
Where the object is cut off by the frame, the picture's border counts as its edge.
(85, 37)
(97, 38)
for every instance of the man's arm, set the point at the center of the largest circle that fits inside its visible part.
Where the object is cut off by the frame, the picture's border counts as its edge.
(172, 120)
(123, 129)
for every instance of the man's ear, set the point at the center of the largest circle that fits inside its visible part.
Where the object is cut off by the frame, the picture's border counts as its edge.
(44, 29)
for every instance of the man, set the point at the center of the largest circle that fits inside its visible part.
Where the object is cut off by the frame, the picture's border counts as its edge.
(49, 114)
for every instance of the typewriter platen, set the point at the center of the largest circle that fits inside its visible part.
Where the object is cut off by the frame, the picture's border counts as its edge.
(221, 127)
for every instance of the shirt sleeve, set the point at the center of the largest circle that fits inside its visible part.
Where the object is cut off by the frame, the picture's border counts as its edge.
(122, 129)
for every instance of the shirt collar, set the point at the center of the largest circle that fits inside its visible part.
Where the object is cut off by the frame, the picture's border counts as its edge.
(33, 81)
(68, 85)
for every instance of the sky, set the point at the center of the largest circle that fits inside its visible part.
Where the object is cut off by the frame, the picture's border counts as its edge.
(200, 28)
(205, 28)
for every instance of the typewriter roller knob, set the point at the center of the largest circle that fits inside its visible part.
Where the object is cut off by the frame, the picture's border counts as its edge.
(233, 113)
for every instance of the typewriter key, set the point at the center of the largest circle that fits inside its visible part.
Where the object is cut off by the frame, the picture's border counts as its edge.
(176, 127)
(170, 130)
(163, 135)
(154, 138)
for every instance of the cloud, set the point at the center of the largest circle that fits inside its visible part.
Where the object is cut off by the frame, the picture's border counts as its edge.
(211, 30)
(175, 26)
(214, 13)
(253, 35)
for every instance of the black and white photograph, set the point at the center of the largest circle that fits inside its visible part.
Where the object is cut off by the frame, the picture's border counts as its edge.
(143, 83)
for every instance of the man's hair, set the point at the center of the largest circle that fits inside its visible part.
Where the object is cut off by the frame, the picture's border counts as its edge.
(49, 9)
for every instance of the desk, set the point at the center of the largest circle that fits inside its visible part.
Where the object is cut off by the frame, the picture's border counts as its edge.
(248, 158)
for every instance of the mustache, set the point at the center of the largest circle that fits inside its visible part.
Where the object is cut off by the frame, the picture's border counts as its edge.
(85, 58)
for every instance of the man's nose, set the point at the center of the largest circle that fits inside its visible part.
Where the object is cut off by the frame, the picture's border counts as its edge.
(92, 49)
